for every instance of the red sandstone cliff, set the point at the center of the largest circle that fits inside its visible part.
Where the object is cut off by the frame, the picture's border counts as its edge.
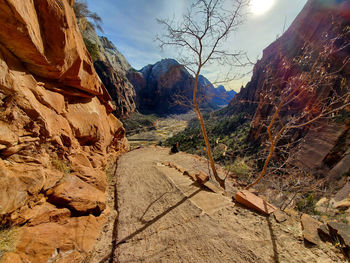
(56, 132)
(325, 145)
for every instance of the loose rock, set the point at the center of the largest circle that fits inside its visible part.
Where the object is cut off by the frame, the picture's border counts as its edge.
(310, 229)
(324, 233)
(254, 202)
(341, 231)
(78, 196)
(201, 177)
(280, 216)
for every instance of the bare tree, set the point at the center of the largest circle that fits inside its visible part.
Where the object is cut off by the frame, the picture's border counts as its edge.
(321, 92)
(81, 10)
(200, 38)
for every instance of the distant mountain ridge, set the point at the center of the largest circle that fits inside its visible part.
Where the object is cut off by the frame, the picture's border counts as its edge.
(219, 96)
(159, 88)
(155, 88)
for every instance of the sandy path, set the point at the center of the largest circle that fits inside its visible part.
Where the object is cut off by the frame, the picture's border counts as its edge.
(164, 217)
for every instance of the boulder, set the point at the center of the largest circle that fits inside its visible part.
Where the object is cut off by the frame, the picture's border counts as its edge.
(322, 205)
(342, 197)
(322, 202)
(254, 202)
(201, 177)
(82, 168)
(18, 187)
(7, 152)
(79, 159)
(310, 229)
(341, 231)
(78, 196)
(72, 241)
(342, 167)
(41, 213)
(324, 233)
(280, 216)
(7, 137)
(51, 178)
(344, 204)
(47, 213)
(343, 193)
(94, 177)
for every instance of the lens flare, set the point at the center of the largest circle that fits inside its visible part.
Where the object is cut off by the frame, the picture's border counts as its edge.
(259, 7)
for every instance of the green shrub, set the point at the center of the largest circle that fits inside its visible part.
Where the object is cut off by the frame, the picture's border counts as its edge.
(307, 204)
(230, 131)
(92, 48)
(241, 169)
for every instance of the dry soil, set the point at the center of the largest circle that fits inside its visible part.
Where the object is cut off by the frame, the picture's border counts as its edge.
(165, 217)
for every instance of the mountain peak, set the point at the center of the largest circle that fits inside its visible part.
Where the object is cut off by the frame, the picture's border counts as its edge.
(164, 66)
(221, 88)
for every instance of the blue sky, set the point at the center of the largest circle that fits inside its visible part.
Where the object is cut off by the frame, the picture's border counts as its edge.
(131, 25)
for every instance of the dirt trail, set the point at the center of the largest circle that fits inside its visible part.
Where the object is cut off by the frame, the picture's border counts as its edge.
(164, 217)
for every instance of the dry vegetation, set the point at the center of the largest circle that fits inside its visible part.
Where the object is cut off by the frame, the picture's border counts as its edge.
(8, 239)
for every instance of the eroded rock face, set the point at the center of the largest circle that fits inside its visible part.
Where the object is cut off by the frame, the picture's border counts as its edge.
(80, 197)
(70, 241)
(158, 85)
(119, 87)
(56, 132)
(112, 68)
(324, 147)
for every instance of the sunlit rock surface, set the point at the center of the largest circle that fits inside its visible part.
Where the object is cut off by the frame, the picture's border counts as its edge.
(56, 131)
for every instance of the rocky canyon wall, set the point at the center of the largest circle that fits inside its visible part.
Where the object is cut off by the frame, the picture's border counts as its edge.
(320, 32)
(112, 68)
(56, 133)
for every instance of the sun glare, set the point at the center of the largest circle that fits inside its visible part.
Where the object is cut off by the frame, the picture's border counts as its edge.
(259, 7)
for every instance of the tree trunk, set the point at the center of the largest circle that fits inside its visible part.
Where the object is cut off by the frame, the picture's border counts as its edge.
(273, 142)
(206, 140)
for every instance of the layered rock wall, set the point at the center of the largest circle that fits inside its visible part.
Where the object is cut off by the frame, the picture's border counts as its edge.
(112, 68)
(56, 133)
(161, 86)
(320, 28)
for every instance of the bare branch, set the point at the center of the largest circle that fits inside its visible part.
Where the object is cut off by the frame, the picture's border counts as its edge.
(205, 26)
(320, 91)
